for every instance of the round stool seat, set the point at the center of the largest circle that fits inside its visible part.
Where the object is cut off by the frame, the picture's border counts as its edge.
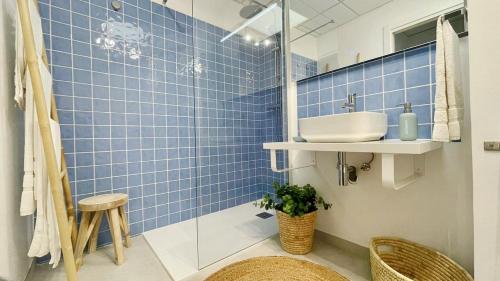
(103, 202)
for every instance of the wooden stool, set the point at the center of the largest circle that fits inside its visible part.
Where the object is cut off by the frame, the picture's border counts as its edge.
(93, 209)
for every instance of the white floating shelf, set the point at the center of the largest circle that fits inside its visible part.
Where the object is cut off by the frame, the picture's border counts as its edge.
(383, 146)
(411, 152)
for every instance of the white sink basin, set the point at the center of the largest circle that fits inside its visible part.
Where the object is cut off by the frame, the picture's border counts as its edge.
(347, 127)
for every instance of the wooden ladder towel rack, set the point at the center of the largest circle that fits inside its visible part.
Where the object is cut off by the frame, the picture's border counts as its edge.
(58, 181)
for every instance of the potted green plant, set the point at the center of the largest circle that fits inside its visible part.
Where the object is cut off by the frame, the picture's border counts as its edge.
(296, 208)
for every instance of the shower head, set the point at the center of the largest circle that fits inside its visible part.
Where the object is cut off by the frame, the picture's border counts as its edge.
(116, 5)
(250, 10)
(165, 2)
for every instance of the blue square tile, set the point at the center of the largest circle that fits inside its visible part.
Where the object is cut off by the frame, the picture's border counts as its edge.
(63, 74)
(392, 132)
(312, 85)
(394, 99)
(80, 76)
(84, 159)
(393, 116)
(325, 81)
(83, 118)
(418, 77)
(60, 3)
(326, 95)
(374, 102)
(373, 69)
(81, 62)
(419, 96)
(60, 15)
(340, 93)
(423, 114)
(98, 12)
(394, 63)
(64, 102)
(357, 88)
(80, 48)
(339, 77)
(61, 44)
(326, 108)
(313, 98)
(83, 131)
(102, 145)
(102, 158)
(84, 173)
(313, 110)
(302, 99)
(417, 57)
(373, 85)
(424, 131)
(80, 6)
(355, 73)
(394, 82)
(61, 30)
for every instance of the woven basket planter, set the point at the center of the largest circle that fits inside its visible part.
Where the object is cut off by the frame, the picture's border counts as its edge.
(394, 259)
(297, 233)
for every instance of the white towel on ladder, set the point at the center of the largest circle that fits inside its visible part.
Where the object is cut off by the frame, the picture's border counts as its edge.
(36, 190)
(448, 116)
(46, 235)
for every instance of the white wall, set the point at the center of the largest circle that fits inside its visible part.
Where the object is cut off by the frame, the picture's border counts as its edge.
(14, 230)
(305, 46)
(435, 211)
(368, 34)
(485, 101)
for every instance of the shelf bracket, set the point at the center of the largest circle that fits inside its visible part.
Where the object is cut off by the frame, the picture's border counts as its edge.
(274, 165)
(389, 177)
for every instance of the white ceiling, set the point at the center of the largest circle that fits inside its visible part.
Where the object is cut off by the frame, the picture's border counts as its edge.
(320, 12)
(225, 13)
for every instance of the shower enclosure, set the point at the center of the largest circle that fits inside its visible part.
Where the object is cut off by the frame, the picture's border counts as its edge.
(224, 61)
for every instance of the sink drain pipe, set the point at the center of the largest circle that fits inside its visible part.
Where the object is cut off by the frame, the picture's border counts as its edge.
(346, 174)
(343, 169)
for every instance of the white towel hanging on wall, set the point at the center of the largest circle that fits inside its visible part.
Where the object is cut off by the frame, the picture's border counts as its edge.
(449, 112)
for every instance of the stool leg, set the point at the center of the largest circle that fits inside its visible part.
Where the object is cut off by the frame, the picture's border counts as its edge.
(124, 225)
(82, 238)
(95, 232)
(114, 218)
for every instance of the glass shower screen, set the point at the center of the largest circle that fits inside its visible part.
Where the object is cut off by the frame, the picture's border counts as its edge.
(238, 106)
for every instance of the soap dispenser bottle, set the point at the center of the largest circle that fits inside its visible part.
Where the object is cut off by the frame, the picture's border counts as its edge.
(407, 124)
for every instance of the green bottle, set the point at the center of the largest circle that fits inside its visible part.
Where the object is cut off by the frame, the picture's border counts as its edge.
(407, 124)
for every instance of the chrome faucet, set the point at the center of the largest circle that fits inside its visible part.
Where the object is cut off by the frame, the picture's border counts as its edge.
(351, 103)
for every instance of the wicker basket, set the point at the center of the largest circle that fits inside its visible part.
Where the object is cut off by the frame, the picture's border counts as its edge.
(394, 259)
(297, 233)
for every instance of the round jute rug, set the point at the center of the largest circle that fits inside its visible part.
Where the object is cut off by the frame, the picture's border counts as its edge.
(275, 269)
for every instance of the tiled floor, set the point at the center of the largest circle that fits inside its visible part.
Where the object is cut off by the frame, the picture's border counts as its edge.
(141, 263)
(353, 267)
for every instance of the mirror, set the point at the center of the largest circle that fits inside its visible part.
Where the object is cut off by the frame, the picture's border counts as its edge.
(339, 33)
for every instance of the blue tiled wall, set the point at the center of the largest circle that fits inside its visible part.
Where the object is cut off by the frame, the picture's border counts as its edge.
(144, 127)
(381, 85)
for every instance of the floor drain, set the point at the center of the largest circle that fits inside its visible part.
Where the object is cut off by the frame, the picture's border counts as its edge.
(264, 215)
